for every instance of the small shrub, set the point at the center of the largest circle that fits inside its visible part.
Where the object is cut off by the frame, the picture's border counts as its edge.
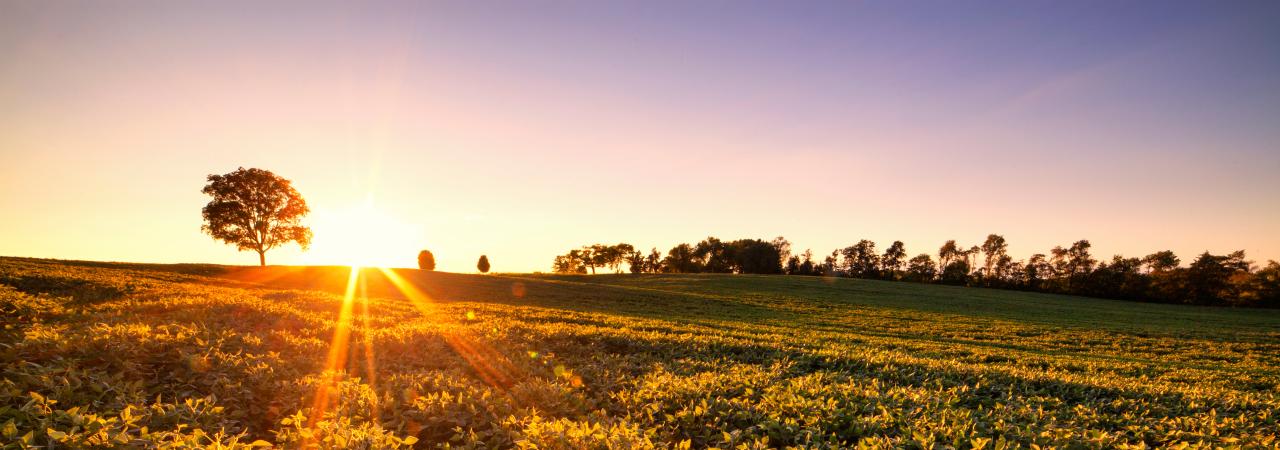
(426, 261)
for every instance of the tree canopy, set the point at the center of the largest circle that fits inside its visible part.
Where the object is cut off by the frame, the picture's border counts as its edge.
(255, 209)
(711, 255)
(426, 260)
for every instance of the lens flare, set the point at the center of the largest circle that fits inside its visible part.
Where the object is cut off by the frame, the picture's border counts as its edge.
(337, 359)
(489, 364)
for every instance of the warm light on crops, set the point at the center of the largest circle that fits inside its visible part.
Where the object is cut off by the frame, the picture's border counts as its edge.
(335, 358)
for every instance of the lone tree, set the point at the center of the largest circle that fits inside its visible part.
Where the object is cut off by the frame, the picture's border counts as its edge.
(483, 264)
(426, 261)
(255, 209)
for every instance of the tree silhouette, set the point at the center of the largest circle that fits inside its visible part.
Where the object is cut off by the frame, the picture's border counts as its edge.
(892, 260)
(1079, 260)
(255, 209)
(426, 261)
(1121, 278)
(681, 259)
(806, 263)
(861, 259)
(784, 249)
(591, 255)
(1036, 271)
(483, 264)
(615, 255)
(956, 273)
(755, 256)
(971, 259)
(1210, 279)
(830, 266)
(715, 256)
(654, 261)
(996, 249)
(1161, 261)
(1265, 289)
(636, 261)
(921, 268)
(571, 262)
(947, 253)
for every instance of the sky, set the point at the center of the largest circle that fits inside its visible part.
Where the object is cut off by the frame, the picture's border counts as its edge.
(523, 129)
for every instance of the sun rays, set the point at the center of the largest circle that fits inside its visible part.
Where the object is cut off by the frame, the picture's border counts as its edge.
(336, 362)
(487, 363)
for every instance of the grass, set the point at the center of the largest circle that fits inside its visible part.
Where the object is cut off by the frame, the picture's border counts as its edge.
(172, 356)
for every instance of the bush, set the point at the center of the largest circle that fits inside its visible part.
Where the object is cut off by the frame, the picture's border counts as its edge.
(426, 261)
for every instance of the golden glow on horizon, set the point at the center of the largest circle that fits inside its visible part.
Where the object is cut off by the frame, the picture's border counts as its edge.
(360, 236)
(543, 142)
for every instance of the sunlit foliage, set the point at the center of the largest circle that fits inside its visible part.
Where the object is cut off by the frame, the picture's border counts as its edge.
(132, 356)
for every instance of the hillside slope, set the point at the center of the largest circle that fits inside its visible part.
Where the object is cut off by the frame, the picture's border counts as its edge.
(300, 356)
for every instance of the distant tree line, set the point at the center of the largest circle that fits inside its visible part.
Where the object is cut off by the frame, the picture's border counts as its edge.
(1159, 277)
(709, 256)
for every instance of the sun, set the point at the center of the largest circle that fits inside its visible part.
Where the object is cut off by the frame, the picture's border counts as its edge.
(361, 236)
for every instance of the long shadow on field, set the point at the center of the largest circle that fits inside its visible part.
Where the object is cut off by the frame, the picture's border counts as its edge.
(819, 293)
(184, 269)
(507, 290)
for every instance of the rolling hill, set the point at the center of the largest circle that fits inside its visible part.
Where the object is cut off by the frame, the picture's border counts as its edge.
(134, 355)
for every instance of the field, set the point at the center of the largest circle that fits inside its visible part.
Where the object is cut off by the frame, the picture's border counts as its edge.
(175, 356)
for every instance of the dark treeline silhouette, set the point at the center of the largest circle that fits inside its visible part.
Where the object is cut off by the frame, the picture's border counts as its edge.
(1159, 277)
(709, 256)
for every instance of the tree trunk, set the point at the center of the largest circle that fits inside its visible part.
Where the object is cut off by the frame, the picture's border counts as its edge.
(262, 259)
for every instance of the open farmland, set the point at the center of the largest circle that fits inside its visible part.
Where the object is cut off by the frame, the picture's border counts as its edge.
(117, 355)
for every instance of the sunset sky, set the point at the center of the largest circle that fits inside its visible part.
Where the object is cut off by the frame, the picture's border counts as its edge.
(523, 129)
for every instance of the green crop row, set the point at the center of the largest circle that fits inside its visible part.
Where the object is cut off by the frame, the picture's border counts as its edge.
(120, 357)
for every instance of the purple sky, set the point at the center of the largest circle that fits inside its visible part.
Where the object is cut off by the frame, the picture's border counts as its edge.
(523, 129)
